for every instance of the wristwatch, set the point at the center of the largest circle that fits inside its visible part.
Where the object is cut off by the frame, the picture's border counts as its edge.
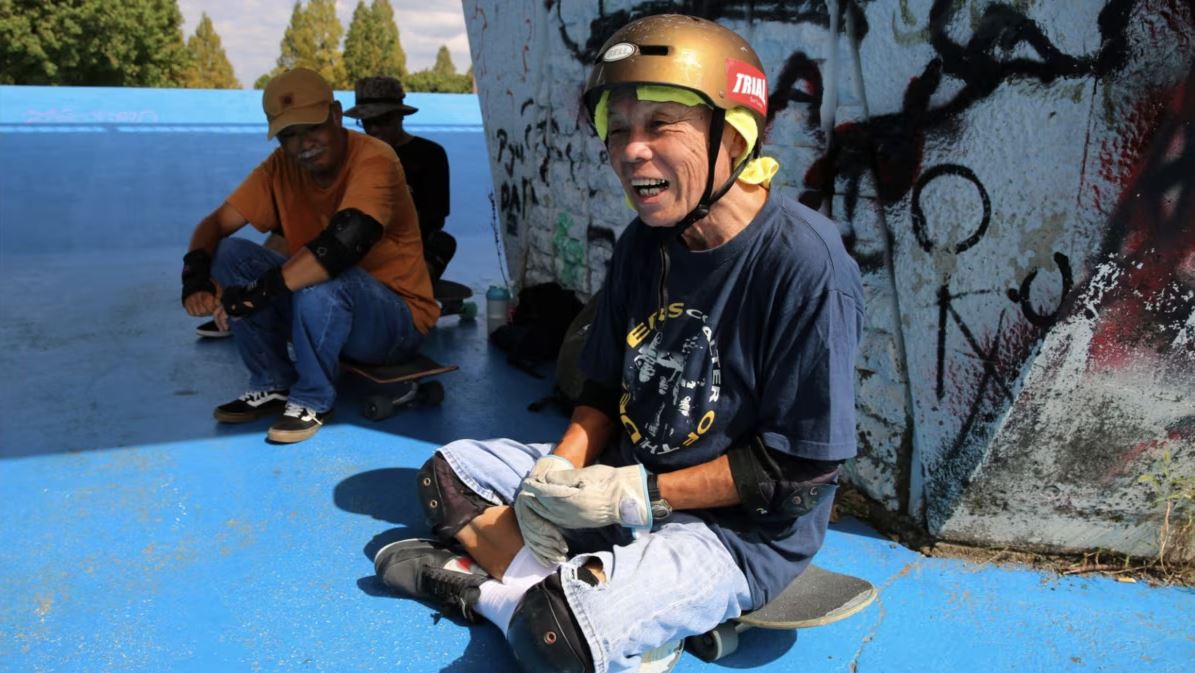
(660, 509)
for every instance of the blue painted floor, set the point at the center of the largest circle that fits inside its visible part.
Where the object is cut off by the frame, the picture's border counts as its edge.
(139, 535)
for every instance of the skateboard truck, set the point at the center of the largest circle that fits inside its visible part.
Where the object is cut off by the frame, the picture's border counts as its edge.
(454, 299)
(408, 376)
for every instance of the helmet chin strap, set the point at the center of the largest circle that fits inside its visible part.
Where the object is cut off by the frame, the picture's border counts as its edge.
(710, 197)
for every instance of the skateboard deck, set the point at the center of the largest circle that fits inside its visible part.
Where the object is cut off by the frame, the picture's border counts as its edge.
(408, 376)
(414, 369)
(817, 597)
(453, 297)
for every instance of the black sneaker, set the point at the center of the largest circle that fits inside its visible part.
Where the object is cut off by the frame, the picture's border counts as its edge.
(429, 571)
(210, 330)
(251, 406)
(297, 423)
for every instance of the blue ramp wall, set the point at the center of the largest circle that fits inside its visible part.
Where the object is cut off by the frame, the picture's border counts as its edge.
(112, 169)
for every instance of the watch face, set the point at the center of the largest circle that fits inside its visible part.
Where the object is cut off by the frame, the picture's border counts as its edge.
(660, 509)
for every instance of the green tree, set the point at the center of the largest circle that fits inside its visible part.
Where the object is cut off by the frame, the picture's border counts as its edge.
(92, 42)
(444, 66)
(441, 77)
(261, 82)
(372, 46)
(395, 61)
(312, 40)
(361, 49)
(209, 67)
(429, 82)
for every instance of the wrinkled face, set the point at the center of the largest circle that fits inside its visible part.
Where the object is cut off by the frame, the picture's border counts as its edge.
(318, 148)
(386, 127)
(660, 153)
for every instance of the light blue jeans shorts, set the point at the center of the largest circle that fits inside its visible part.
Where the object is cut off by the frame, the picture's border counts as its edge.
(678, 580)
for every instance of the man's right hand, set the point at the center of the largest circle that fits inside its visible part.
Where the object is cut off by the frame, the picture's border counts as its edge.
(541, 536)
(201, 304)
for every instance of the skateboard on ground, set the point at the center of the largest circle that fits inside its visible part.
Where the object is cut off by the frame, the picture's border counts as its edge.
(408, 376)
(816, 598)
(453, 298)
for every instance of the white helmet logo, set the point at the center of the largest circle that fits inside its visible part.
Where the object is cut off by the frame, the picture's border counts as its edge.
(618, 52)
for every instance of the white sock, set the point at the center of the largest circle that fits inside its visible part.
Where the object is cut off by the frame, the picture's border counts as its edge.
(499, 599)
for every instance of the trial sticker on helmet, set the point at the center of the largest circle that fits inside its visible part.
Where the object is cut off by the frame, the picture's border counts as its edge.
(746, 85)
(618, 52)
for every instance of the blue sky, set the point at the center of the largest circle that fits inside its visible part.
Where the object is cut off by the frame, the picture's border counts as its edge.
(252, 29)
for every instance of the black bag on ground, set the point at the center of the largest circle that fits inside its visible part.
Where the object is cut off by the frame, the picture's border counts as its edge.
(536, 331)
(569, 377)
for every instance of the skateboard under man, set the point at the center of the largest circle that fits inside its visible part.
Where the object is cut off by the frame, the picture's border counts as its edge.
(453, 298)
(411, 389)
(816, 598)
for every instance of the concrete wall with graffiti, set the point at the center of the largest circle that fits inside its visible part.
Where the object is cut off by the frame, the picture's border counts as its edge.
(1015, 180)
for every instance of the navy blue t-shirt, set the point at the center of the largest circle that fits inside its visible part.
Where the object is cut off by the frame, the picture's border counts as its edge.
(710, 348)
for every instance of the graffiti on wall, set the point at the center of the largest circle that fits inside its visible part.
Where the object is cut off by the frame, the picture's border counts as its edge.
(1150, 308)
(1124, 347)
(925, 189)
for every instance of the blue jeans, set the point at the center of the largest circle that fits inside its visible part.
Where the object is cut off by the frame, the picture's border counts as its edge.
(352, 315)
(676, 581)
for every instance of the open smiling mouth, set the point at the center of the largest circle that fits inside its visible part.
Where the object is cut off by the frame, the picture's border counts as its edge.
(646, 187)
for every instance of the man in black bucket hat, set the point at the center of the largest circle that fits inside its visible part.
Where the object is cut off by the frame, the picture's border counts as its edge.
(379, 111)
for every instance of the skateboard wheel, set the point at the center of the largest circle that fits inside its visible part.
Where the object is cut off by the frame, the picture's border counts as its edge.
(431, 393)
(468, 310)
(713, 645)
(378, 407)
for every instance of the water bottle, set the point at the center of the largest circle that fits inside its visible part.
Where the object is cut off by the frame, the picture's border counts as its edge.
(497, 307)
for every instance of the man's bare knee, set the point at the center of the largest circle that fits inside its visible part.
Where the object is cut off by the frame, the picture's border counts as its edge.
(594, 566)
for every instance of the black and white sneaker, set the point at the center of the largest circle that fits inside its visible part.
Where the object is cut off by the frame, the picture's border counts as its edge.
(297, 423)
(251, 406)
(429, 571)
(210, 330)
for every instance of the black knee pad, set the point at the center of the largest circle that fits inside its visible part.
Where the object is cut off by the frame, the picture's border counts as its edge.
(545, 635)
(448, 504)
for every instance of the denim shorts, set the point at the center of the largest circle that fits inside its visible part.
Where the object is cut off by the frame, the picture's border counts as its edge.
(676, 581)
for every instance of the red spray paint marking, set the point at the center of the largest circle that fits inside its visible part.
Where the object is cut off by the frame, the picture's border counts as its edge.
(1153, 232)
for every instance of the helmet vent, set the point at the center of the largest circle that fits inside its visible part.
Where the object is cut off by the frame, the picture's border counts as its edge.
(653, 49)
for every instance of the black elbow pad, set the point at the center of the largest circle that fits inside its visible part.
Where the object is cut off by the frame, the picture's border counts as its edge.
(777, 487)
(347, 238)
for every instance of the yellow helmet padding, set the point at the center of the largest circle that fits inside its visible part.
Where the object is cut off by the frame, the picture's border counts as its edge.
(759, 172)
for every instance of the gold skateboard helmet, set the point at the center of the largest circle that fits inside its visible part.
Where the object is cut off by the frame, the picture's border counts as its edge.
(687, 52)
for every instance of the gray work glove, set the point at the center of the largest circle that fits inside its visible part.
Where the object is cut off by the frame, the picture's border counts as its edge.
(541, 536)
(592, 497)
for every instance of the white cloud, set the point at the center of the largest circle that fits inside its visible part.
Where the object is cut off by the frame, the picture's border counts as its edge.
(251, 30)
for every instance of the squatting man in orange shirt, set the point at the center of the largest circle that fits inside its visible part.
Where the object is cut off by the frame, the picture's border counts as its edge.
(354, 284)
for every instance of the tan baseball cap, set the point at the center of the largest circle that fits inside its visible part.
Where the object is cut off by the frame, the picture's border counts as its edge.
(298, 96)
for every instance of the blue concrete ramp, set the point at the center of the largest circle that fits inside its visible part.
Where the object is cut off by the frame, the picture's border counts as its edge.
(140, 535)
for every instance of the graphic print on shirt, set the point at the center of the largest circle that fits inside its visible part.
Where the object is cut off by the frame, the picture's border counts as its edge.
(671, 380)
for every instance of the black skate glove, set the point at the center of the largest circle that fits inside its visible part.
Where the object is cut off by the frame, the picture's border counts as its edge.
(197, 273)
(242, 300)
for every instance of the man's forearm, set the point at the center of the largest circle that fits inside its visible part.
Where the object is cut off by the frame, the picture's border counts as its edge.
(700, 486)
(222, 222)
(302, 270)
(207, 234)
(587, 435)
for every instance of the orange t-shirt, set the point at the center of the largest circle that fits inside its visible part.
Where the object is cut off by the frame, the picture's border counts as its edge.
(279, 193)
